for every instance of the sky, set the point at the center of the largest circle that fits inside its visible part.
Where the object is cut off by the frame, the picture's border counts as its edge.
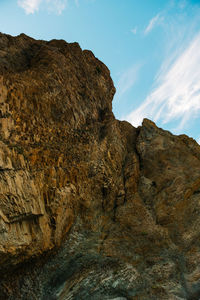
(151, 47)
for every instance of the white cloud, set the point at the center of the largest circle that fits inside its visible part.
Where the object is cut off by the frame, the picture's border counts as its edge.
(127, 80)
(30, 6)
(182, 4)
(177, 92)
(134, 30)
(157, 20)
(57, 6)
(77, 3)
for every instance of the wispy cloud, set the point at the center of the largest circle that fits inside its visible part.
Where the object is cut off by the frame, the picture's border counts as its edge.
(57, 5)
(182, 4)
(157, 20)
(31, 6)
(77, 3)
(134, 30)
(177, 92)
(127, 79)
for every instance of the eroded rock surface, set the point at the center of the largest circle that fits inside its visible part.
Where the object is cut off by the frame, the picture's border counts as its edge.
(90, 207)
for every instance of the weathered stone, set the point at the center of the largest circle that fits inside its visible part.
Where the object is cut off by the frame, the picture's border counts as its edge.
(90, 207)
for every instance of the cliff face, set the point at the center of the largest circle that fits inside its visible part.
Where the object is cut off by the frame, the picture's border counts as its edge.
(90, 207)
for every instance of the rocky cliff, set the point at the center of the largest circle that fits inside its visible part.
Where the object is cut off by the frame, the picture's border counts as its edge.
(90, 207)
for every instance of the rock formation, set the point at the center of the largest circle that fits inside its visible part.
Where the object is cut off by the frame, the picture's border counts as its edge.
(91, 208)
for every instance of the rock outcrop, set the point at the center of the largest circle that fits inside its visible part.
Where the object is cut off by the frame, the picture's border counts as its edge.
(90, 207)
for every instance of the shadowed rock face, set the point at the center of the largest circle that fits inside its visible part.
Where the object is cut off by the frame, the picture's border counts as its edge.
(90, 207)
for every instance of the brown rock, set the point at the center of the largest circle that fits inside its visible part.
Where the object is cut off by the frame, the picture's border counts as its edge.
(90, 207)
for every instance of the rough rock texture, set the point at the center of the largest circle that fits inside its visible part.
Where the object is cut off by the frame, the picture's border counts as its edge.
(90, 207)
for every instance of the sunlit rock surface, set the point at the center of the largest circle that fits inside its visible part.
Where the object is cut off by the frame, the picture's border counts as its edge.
(90, 207)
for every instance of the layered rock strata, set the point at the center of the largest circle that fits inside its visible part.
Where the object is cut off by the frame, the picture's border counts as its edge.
(90, 207)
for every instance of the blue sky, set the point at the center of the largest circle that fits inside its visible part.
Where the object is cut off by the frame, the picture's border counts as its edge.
(152, 49)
